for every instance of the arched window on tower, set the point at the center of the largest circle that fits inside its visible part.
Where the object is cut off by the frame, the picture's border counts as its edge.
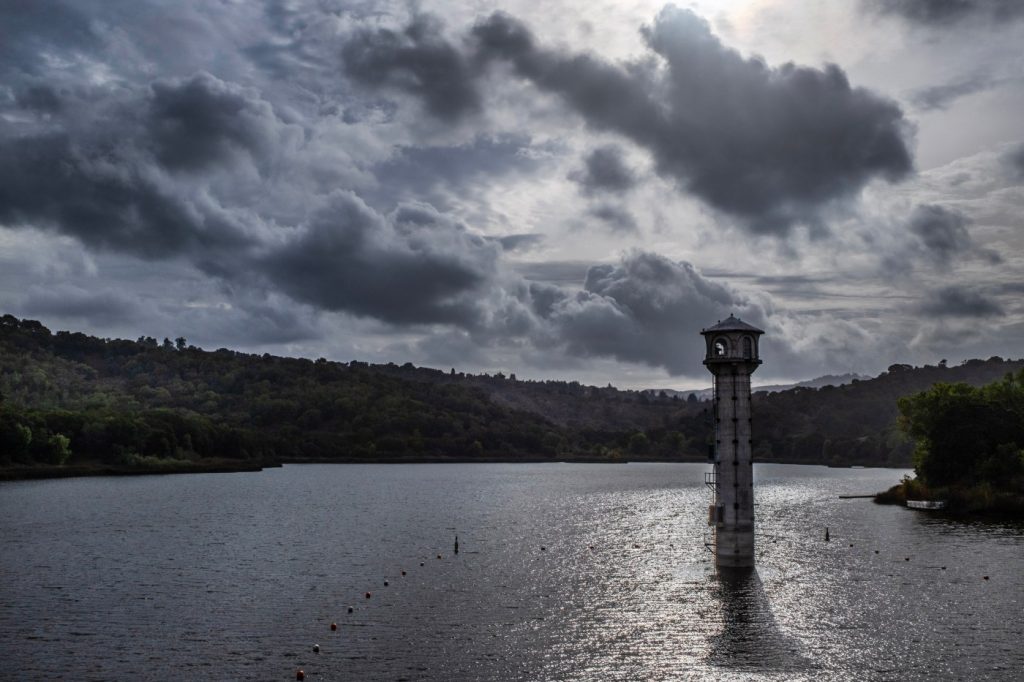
(721, 348)
(748, 348)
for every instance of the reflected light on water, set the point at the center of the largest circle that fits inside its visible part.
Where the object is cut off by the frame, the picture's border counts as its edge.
(235, 576)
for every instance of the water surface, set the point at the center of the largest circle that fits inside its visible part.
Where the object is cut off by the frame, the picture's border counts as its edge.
(236, 576)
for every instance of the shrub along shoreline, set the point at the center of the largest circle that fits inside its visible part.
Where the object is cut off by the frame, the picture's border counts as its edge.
(969, 448)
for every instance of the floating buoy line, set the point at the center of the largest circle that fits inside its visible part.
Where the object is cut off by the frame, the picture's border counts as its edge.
(300, 674)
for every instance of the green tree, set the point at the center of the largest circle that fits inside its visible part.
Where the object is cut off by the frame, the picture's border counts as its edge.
(58, 449)
(967, 435)
(639, 443)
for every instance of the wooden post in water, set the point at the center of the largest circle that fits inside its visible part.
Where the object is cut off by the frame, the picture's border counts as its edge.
(732, 356)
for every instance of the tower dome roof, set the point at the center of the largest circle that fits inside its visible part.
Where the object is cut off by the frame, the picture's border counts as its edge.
(732, 324)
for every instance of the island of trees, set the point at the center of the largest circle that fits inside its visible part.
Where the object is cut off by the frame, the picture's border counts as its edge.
(969, 447)
(74, 404)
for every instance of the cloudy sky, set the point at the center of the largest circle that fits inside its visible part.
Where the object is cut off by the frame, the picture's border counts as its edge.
(563, 189)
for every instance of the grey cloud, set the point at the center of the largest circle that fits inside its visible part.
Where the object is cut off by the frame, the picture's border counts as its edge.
(645, 309)
(941, 96)
(554, 272)
(943, 232)
(946, 12)
(29, 28)
(604, 171)
(1016, 161)
(519, 242)
(417, 60)
(771, 146)
(40, 98)
(95, 308)
(202, 121)
(414, 266)
(105, 201)
(421, 170)
(943, 235)
(118, 160)
(957, 301)
(616, 218)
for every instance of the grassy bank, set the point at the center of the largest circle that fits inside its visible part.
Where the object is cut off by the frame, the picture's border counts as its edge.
(143, 467)
(977, 500)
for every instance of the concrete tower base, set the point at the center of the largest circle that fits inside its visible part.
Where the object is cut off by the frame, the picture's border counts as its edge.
(734, 548)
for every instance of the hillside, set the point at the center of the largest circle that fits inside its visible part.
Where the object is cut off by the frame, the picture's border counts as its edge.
(120, 402)
(69, 398)
(856, 423)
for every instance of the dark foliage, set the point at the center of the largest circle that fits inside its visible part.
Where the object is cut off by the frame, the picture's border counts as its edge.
(73, 398)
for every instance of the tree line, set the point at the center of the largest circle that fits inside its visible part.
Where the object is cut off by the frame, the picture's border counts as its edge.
(68, 398)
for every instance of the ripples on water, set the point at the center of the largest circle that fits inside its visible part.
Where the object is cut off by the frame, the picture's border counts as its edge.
(236, 576)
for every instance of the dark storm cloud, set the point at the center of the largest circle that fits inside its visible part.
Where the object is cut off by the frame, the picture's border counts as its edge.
(203, 121)
(39, 98)
(415, 266)
(121, 177)
(956, 301)
(772, 146)
(604, 171)
(417, 60)
(943, 232)
(615, 217)
(645, 309)
(111, 202)
(104, 169)
(29, 28)
(945, 12)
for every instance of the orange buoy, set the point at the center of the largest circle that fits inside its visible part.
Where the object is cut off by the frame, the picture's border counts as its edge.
(368, 595)
(300, 675)
(636, 546)
(984, 577)
(438, 556)
(403, 572)
(876, 551)
(906, 558)
(334, 626)
(316, 648)
(350, 609)
(543, 549)
(422, 564)
(591, 547)
(943, 568)
(386, 583)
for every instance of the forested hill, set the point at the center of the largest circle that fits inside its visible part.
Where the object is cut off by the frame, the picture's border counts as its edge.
(135, 402)
(856, 423)
(71, 398)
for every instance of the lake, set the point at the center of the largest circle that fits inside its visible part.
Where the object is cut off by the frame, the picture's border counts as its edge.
(565, 572)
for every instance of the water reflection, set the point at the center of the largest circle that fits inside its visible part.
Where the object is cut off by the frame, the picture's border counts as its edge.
(751, 639)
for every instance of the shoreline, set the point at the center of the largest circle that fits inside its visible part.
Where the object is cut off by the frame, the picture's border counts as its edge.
(91, 469)
(962, 502)
(41, 472)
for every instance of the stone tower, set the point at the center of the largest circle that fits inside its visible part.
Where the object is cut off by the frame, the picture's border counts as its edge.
(732, 357)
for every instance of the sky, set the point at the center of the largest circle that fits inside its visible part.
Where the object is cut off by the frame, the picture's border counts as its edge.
(560, 190)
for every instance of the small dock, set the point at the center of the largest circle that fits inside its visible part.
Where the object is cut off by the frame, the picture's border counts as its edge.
(926, 504)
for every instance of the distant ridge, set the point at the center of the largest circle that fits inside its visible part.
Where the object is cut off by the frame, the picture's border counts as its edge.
(819, 382)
